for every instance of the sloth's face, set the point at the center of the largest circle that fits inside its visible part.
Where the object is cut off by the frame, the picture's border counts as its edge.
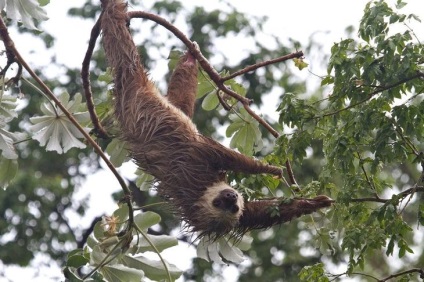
(218, 210)
(227, 201)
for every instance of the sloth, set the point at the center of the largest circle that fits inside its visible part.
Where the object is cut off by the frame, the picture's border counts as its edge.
(189, 168)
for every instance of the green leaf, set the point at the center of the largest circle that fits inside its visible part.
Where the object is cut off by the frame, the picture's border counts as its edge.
(174, 57)
(98, 231)
(8, 105)
(109, 243)
(390, 246)
(24, 10)
(117, 152)
(107, 76)
(7, 141)
(313, 273)
(54, 130)
(211, 101)
(403, 248)
(76, 261)
(161, 242)
(43, 2)
(205, 85)
(327, 80)
(400, 4)
(300, 64)
(144, 180)
(97, 256)
(8, 170)
(154, 270)
(71, 275)
(246, 136)
(236, 87)
(92, 241)
(121, 213)
(121, 273)
(146, 219)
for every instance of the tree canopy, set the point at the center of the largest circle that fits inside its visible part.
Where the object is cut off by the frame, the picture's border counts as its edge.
(357, 138)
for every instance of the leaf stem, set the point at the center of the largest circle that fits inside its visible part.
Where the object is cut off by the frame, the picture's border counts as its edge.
(42, 93)
(165, 265)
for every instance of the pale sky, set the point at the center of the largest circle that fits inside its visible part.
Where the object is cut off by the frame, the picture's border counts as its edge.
(296, 19)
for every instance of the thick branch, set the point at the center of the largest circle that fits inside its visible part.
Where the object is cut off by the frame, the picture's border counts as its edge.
(85, 76)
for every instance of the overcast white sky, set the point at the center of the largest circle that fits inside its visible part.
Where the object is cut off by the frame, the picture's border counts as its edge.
(296, 19)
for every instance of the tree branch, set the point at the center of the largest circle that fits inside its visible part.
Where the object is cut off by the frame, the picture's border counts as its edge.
(402, 194)
(412, 270)
(85, 76)
(380, 89)
(247, 69)
(419, 270)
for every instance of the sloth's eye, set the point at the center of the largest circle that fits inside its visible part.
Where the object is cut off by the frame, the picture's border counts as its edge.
(217, 203)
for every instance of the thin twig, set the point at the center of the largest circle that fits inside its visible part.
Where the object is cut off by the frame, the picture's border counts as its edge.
(366, 176)
(291, 174)
(408, 142)
(380, 89)
(412, 270)
(250, 68)
(85, 76)
(11, 60)
(261, 121)
(369, 199)
(165, 265)
(402, 194)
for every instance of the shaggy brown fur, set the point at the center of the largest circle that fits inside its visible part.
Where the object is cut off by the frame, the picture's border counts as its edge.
(164, 142)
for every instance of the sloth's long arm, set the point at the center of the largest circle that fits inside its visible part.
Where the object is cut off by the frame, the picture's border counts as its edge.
(182, 92)
(227, 159)
(182, 88)
(266, 213)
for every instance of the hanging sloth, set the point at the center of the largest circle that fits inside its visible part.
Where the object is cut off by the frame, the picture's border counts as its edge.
(163, 141)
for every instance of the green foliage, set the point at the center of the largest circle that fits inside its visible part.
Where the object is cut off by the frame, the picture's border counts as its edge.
(246, 136)
(313, 273)
(117, 152)
(371, 123)
(7, 139)
(8, 170)
(116, 255)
